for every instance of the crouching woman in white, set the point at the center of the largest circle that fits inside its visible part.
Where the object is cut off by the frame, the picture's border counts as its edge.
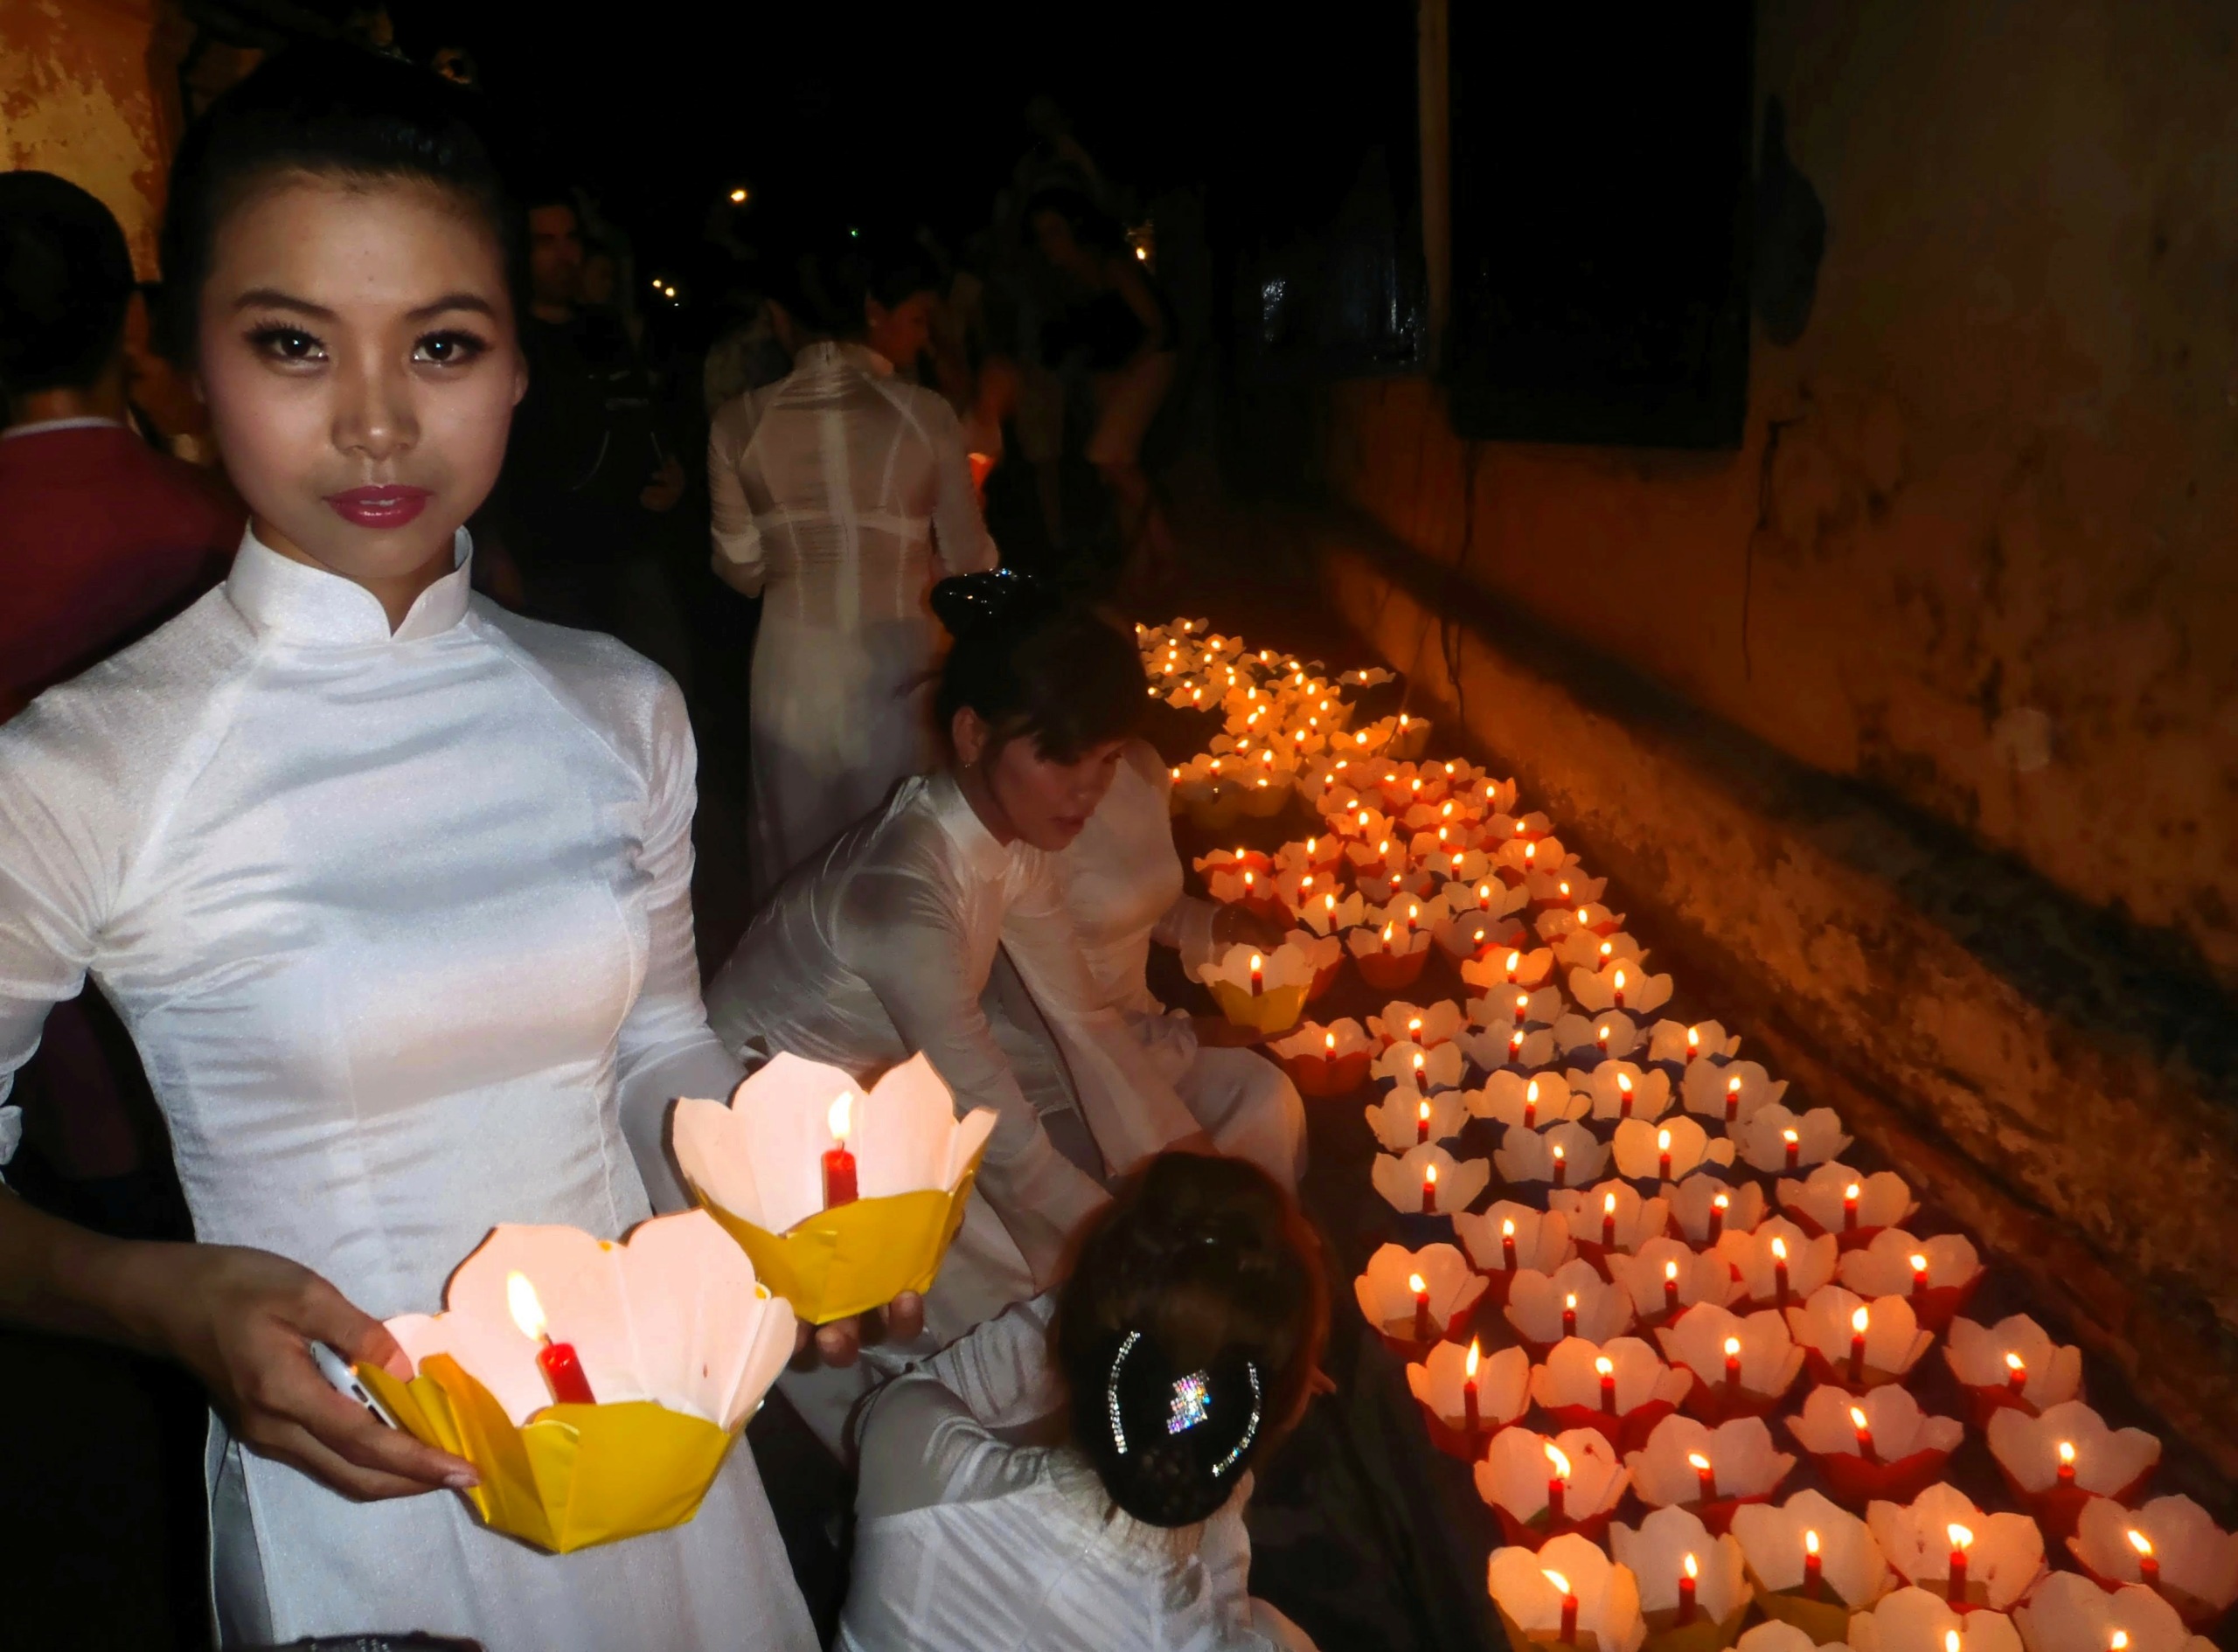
(1182, 1348)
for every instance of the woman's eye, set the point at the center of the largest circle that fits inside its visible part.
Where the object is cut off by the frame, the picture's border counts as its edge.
(288, 344)
(449, 349)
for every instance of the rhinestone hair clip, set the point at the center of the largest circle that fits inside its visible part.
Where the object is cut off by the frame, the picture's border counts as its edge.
(1111, 1389)
(1250, 1428)
(1192, 1405)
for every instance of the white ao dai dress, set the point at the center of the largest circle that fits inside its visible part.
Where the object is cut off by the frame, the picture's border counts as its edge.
(401, 926)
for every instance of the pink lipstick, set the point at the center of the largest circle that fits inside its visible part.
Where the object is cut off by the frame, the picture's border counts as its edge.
(379, 507)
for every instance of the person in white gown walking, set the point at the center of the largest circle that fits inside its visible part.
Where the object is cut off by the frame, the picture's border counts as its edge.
(840, 493)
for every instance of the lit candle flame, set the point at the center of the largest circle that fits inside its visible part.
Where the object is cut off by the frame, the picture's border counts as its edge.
(2119, 1642)
(1733, 1348)
(1468, 1366)
(2067, 1453)
(1507, 1227)
(1722, 1202)
(1531, 1092)
(1423, 1111)
(1329, 1039)
(1919, 1264)
(1700, 1463)
(2012, 1362)
(1663, 1140)
(1561, 1472)
(1429, 1175)
(1514, 963)
(1562, 1584)
(1950, 1641)
(1414, 1284)
(1851, 1191)
(1608, 1204)
(1859, 1320)
(838, 1119)
(1810, 1543)
(1857, 1418)
(1559, 1155)
(1960, 1538)
(1570, 1303)
(527, 1310)
(1790, 1137)
(1620, 987)
(1693, 1038)
(1779, 1248)
(2139, 1541)
(1605, 1366)
(1257, 963)
(1693, 1568)
(1670, 1272)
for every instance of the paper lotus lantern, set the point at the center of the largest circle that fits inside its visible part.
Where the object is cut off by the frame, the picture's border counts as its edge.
(1325, 1061)
(1520, 1050)
(757, 1165)
(2193, 1562)
(1504, 1009)
(1564, 886)
(1298, 891)
(1458, 1423)
(1612, 1033)
(1519, 967)
(1732, 1091)
(1520, 1475)
(1669, 1041)
(1509, 1239)
(1853, 1343)
(1254, 887)
(2056, 1461)
(1582, 949)
(1405, 1117)
(1772, 1635)
(1621, 1388)
(2013, 1364)
(1262, 990)
(1425, 1025)
(1325, 955)
(1403, 1181)
(1315, 856)
(1662, 1150)
(1852, 1206)
(1438, 1068)
(1899, 1451)
(1625, 1090)
(676, 1338)
(1663, 1278)
(1330, 913)
(1582, 918)
(1526, 856)
(1562, 1154)
(1467, 934)
(1568, 1593)
(2070, 1614)
(1776, 1264)
(1621, 983)
(1229, 863)
(1715, 1589)
(1713, 1471)
(1389, 958)
(1610, 1216)
(1572, 1300)
(1742, 1366)
(1938, 1275)
(1913, 1620)
(1400, 1312)
(1705, 1210)
(1778, 1544)
(1526, 1101)
(2003, 1553)
(1775, 1139)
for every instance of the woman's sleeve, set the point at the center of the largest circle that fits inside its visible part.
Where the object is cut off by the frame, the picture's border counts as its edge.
(738, 542)
(1187, 926)
(666, 1048)
(897, 933)
(1132, 1111)
(960, 536)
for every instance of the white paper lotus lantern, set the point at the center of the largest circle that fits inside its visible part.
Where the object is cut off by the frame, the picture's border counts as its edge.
(1389, 956)
(1851, 1205)
(1713, 1471)
(1732, 1092)
(1298, 891)
(1774, 1139)
(1585, 918)
(1560, 1155)
(1405, 1118)
(1401, 1310)
(1939, 1275)
(1582, 949)
(1564, 887)
(1566, 1591)
(1665, 1150)
(1520, 1050)
(2068, 1613)
(1508, 1238)
(1621, 983)
(1468, 935)
(1573, 1300)
(1741, 1364)
(2170, 1545)
(1874, 1445)
(1624, 1090)
(1772, 1635)
(1509, 826)
(1318, 856)
(1503, 1010)
(1705, 1209)
(1437, 1068)
(1686, 1574)
(1529, 1101)
(1777, 1263)
(1610, 1216)
(1331, 914)
(1374, 859)
(1325, 1061)
(1428, 1180)
(1940, 1536)
(1540, 1487)
(1229, 863)
(1427, 1025)
(1621, 1388)
(1527, 857)
(1688, 1046)
(1853, 1343)
(1466, 1401)
(1610, 1033)
(2015, 1363)
(1913, 1620)
(1325, 955)
(1257, 886)
(1519, 967)
(2056, 1461)
(1778, 1544)
(1665, 1278)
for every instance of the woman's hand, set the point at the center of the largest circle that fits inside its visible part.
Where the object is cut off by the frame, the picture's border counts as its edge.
(1241, 927)
(242, 1321)
(841, 1342)
(1218, 1033)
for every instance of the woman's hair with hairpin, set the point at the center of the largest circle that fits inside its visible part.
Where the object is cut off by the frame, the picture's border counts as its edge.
(1033, 661)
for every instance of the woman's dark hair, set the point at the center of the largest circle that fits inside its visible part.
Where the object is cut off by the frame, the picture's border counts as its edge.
(330, 112)
(1189, 1332)
(66, 282)
(1033, 663)
(1092, 226)
(839, 273)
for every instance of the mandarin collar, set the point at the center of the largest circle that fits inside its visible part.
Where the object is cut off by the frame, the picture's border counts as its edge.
(987, 859)
(832, 352)
(294, 600)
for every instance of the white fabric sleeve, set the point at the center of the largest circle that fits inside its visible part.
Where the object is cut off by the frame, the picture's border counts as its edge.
(738, 560)
(1187, 926)
(665, 1048)
(1132, 1111)
(960, 536)
(895, 932)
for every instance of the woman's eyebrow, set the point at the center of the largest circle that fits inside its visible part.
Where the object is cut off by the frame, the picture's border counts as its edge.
(273, 298)
(453, 301)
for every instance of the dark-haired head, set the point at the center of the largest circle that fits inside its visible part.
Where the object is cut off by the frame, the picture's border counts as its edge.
(66, 282)
(1038, 696)
(1071, 230)
(874, 288)
(1189, 1332)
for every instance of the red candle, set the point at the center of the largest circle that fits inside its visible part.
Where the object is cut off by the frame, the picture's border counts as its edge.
(563, 1372)
(1687, 1592)
(1514, 958)
(1732, 1367)
(1859, 1321)
(1609, 1222)
(1607, 1367)
(1864, 1433)
(1662, 1147)
(1515, 1047)
(1569, 1315)
(1849, 1208)
(1422, 1121)
(1719, 1206)
(1531, 1105)
(1561, 1163)
(1961, 1539)
(1602, 1033)
(1779, 1272)
(1706, 1475)
(1618, 991)
(839, 1163)
(1813, 1572)
(1507, 1243)
(1694, 1044)
(1732, 1097)
(2067, 1462)
(1919, 1275)
(1424, 1331)
(1258, 965)
(1470, 1420)
(1430, 1190)
(1557, 1484)
(1794, 1146)
(1624, 1096)
(1670, 1288)
(2016, 1374)
(1568, 1633)
(2148, 1564)
(1522, 1004)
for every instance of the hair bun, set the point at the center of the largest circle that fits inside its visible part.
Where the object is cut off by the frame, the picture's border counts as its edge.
(1170, 1445)
(967, 601)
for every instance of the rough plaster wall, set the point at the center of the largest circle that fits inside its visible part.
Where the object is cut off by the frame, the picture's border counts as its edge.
(1984, 533)
(76, 99)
